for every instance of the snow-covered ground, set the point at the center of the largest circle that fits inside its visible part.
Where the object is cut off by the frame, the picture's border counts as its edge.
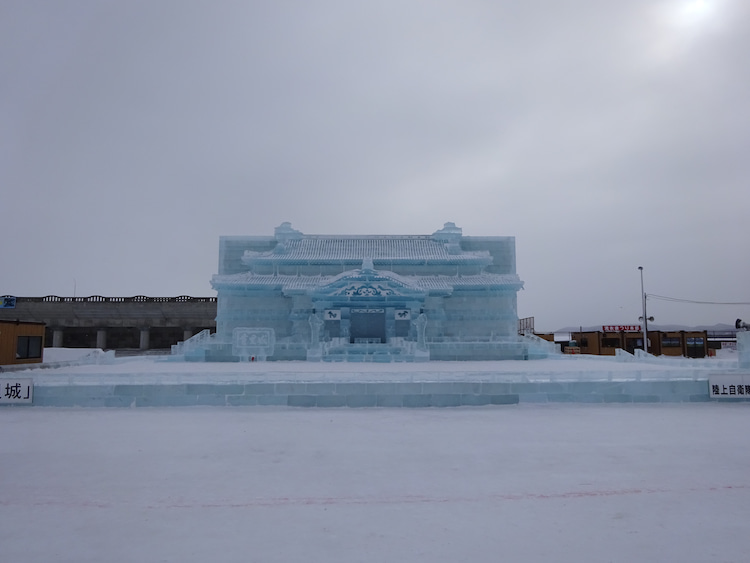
(52, 355)
(570, 483)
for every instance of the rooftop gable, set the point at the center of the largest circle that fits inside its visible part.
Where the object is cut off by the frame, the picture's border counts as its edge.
(368, 282)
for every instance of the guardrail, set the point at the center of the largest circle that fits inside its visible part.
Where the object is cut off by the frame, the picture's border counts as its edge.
(101, 299)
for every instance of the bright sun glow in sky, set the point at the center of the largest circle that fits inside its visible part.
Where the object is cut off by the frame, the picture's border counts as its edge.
(680, 25)
(695, 12)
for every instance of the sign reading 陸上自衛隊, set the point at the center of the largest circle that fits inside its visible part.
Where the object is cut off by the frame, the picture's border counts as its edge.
(621, 328)
(729, 386)
(18, 390)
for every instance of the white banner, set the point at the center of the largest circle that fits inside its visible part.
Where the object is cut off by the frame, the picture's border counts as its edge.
(18, 390)
(621, 328)
(729, 386)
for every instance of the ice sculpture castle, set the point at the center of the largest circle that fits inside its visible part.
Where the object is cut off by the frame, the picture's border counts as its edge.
(294, 296)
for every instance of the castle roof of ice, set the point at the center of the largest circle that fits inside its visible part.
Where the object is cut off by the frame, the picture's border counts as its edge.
(295, 247)
(366, 258)
(350, 248)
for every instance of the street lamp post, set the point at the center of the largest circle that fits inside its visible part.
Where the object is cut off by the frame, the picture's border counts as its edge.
(645, 318)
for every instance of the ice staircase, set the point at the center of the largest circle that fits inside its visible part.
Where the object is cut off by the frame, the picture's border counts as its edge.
(372, 350)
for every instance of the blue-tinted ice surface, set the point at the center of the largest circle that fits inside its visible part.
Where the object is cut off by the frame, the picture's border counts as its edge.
(151, 381)
(408, 298)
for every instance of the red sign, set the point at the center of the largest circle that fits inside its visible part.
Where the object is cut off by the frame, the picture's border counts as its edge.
(621, 328)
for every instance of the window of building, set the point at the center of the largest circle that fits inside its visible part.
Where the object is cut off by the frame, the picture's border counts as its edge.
(670, 342)
(610, 342)
(695, 347)
(28, 347)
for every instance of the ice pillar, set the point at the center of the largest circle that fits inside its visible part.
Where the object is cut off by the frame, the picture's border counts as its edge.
(743, 348)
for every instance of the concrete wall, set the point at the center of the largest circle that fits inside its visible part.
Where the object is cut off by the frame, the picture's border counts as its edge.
(116, 322)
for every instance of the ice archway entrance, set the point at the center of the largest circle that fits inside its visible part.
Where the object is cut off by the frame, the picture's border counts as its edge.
(366, 315)
(368, 326)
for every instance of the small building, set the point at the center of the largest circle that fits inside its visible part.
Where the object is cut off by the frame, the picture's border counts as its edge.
(606, 342)
(21, 342)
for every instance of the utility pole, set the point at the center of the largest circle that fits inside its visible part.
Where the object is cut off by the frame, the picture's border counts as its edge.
(645, 318)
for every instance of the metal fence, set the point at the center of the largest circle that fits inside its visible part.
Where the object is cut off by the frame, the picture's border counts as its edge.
(101, 299)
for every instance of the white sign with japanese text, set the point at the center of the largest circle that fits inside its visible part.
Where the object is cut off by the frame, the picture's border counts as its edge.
(729, 386)
(253, 343)
(18, 390)
(621, 328)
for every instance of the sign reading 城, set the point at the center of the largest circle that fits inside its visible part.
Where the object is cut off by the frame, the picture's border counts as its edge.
(7, 302)
(621, 328)
(20, 390)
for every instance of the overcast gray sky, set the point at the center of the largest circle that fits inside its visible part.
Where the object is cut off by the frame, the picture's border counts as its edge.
(603, 135)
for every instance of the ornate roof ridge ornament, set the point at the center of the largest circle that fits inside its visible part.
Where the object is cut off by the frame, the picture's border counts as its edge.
(450, 235)
(285, 232)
